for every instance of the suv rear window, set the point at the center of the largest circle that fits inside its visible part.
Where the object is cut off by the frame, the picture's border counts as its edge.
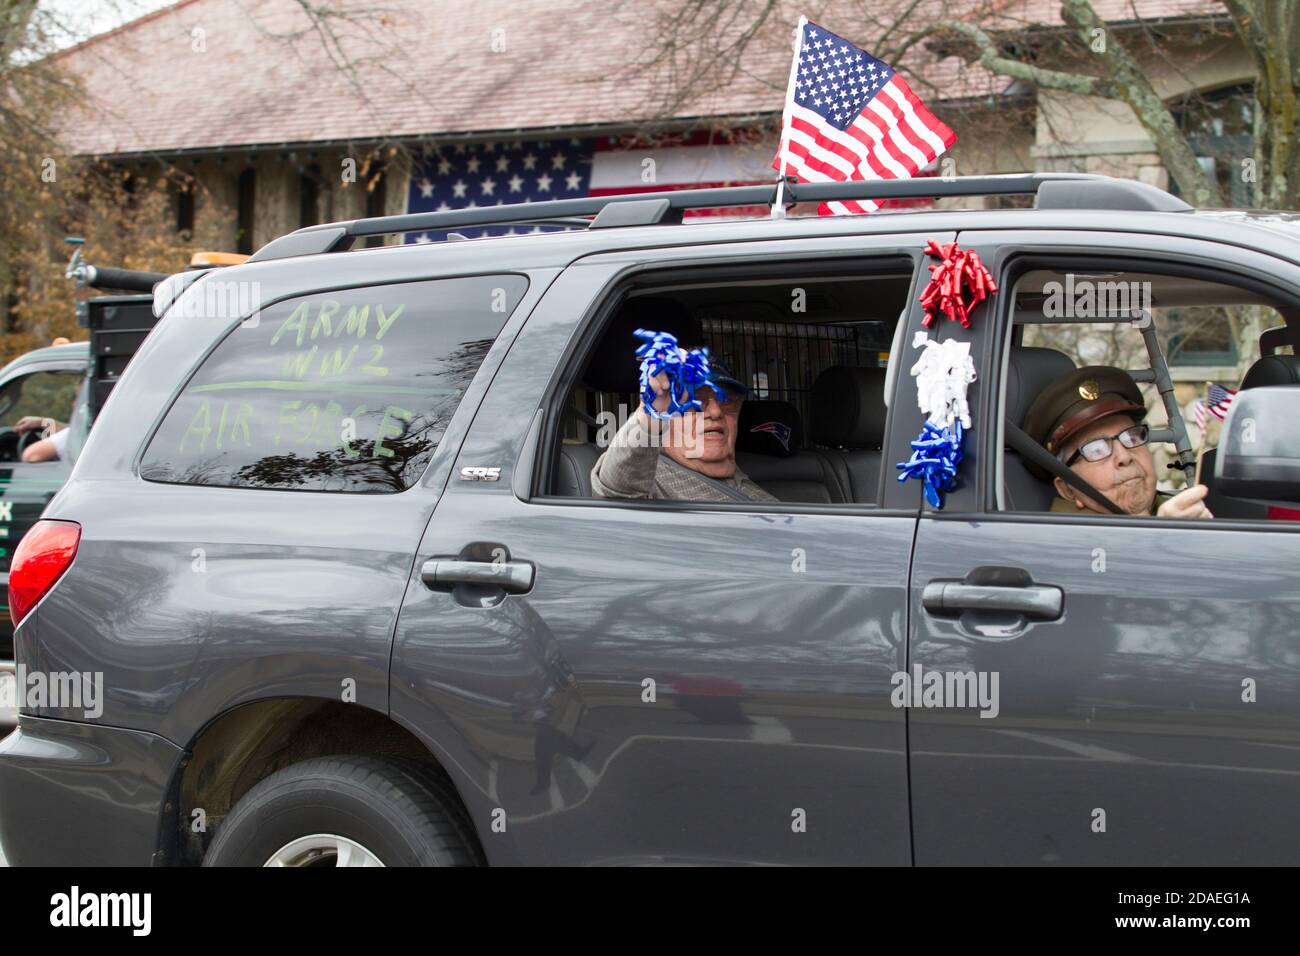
(341, 391)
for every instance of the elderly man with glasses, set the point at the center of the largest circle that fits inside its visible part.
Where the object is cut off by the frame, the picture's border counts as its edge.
(1092, 420)
(690, 457)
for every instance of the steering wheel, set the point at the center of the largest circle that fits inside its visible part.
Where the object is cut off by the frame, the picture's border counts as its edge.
(27, 439)
(9, 444)
(12, 444)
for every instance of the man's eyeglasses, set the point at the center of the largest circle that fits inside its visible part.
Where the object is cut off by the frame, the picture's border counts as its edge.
(1099, 449)
(730, 406)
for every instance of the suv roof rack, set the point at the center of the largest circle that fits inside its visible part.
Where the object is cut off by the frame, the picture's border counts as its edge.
(1053, 191)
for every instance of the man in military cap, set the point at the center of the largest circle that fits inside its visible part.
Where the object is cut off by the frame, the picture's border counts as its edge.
(1092, 421)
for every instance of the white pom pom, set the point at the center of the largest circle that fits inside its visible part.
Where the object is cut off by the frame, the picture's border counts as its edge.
(943, 372)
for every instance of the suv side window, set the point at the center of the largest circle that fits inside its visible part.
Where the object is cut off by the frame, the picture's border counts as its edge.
(49, 395)
(40, 394)
(807, 352)
(340, 391)
(1073, 314)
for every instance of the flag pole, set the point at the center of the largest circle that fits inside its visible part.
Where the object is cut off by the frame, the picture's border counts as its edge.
(778, 206)
(1200, 454)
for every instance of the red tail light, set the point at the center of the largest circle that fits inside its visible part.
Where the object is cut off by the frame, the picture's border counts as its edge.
(43, 554)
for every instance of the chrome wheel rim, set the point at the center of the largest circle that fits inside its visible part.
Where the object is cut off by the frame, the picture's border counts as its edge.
(323, 849)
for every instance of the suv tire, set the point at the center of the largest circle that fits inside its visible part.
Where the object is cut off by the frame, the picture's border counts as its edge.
(393, 812)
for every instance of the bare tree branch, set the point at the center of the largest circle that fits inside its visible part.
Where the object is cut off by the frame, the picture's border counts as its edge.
(990, 56)
(1129, 83)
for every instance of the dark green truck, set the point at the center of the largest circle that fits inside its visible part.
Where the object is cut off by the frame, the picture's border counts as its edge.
(69, 384)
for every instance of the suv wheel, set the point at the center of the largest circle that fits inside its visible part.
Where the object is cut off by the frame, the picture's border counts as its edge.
(346, 811)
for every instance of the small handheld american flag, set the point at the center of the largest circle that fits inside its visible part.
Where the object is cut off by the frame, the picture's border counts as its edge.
(849, 116)
(1217, 400)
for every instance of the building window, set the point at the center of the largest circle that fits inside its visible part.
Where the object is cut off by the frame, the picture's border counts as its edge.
(1218, 126)
(1197, 335)
(376, 199)
(309, 196)
(185, 208)
(244, 222)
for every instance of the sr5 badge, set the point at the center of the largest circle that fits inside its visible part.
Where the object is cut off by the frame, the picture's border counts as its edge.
(479, 473)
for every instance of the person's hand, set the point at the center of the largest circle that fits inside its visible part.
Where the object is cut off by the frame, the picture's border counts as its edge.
(660, 384)
(1188, 503)
(662, 388)
(30, 423)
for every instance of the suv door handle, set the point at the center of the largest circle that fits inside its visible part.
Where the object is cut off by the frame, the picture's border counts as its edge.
(513, 577)
(1040, 601)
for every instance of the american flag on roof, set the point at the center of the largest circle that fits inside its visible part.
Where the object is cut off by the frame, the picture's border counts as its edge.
(849, 116)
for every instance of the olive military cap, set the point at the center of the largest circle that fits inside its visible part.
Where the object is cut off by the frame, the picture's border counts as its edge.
(1075, 401)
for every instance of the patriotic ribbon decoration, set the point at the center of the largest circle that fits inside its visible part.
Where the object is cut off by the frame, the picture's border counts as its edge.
(958, 283)
(936, 453)
(687, 372)
(943, 373)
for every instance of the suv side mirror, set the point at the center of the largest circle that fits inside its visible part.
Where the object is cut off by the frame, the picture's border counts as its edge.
(1259, 453)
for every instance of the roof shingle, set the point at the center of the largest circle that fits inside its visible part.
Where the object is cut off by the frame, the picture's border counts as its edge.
(206, 74)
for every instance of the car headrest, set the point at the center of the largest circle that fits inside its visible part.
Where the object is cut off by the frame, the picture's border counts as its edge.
(1029, 372)
(612, 367)
(1273, 370)
(769, 427)
(848, 407)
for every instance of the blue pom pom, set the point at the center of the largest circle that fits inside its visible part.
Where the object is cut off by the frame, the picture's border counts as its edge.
(658, 353)
(936, 453)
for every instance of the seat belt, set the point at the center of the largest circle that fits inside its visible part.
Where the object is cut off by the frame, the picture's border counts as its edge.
(734, 493)
(727, 489)
(1044, 459)
(581, 416)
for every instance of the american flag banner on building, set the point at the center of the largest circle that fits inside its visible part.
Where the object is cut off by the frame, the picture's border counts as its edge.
(467, 176)
(849, 116)
(514, 171)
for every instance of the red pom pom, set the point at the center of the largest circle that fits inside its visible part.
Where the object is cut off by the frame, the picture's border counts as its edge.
(957, 268)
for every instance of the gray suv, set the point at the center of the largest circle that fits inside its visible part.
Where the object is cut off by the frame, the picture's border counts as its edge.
(328, 584)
